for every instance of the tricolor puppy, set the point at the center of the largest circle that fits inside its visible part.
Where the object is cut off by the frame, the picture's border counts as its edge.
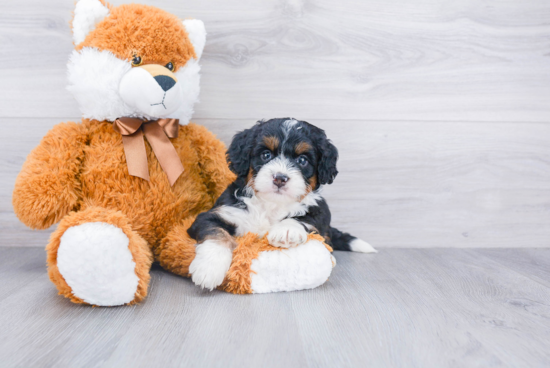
(281, 165)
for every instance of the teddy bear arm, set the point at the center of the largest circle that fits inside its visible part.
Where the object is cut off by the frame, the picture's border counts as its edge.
(259, 267)
(211, 153)
(47, 187)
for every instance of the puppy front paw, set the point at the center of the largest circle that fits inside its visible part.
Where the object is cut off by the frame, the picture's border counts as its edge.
(287, 233)
(211, 263)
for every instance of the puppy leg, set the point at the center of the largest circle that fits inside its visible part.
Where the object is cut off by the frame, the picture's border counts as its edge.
(213, 258)
(287, 233)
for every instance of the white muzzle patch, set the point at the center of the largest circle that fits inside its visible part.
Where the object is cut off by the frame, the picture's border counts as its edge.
(149, 96)
(294, 188)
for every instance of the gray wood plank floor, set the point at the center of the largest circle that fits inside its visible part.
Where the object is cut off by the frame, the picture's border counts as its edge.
(399, 308)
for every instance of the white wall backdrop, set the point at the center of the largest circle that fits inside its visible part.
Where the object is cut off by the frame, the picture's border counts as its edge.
(440, 108)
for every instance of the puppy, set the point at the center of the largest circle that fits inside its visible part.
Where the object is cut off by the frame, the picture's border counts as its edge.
(281, 165)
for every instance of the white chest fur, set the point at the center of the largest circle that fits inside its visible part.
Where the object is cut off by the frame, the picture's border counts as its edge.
(260, 214)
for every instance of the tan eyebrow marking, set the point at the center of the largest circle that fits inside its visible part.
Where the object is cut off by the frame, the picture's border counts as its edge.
(271, 142)
(302, 147)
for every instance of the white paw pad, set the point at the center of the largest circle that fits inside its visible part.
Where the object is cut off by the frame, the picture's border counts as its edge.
(211, 263)
(287, 233)
(303, 267)
(96, 263)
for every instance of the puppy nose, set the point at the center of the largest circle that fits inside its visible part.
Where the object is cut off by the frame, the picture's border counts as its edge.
(165, 82)
(280, 180)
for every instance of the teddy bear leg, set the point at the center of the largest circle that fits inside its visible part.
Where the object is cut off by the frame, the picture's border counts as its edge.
(94, 257)
(306, 266)
(177, 250)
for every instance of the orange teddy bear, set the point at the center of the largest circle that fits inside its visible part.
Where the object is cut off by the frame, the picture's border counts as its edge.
(127, 181)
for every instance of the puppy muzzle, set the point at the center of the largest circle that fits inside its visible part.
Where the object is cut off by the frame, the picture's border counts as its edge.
(280, 180)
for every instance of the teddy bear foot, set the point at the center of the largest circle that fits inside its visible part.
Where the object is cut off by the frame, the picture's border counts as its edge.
(306, 266)
(97, 262)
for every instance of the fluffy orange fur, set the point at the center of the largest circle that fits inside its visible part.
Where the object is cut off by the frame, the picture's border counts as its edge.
(145, 31)
(177, 251)
(78, 173)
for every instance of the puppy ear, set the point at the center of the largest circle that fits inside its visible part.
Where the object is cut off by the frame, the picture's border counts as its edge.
(197, 35)
(87, 14)
(238, 154)
(326, 168)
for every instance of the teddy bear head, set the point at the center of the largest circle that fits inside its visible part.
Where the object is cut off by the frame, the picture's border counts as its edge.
(134, 61)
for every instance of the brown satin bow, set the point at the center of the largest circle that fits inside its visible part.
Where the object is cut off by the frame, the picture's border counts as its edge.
(157, 133)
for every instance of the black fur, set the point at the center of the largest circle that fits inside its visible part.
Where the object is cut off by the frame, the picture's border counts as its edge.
(319, 217)
(209, 224)
(327, 163)
(238, 154)
(244, 157)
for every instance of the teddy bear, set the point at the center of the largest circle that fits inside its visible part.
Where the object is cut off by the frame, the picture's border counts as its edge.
(125, 183)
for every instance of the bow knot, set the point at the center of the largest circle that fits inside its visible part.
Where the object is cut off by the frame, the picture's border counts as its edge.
(157, 133)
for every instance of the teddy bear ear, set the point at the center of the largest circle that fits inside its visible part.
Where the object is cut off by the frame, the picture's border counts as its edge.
(197, 34)
(87, 14)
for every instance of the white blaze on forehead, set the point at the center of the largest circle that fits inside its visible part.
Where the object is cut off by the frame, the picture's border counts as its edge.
(288, 125)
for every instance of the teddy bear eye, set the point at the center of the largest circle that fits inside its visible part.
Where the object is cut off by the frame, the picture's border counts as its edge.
(170, 66)
(136, 60)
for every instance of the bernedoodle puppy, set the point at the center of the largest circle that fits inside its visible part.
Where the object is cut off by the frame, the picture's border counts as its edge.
(281, 165)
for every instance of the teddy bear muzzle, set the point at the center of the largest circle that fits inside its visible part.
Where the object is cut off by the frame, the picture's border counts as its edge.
(151, 89)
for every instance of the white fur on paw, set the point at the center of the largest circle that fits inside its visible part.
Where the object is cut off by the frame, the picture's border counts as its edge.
(287, 233)
(358, 245)
(96, 263)
(211, 263)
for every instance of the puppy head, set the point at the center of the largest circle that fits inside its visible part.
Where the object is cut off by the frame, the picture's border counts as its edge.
(134, 60)
(283, 159)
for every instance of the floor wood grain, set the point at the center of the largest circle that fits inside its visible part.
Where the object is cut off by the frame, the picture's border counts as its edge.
(400, 307)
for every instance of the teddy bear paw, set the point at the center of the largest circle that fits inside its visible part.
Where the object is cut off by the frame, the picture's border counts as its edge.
(287, 233)
(211, 263)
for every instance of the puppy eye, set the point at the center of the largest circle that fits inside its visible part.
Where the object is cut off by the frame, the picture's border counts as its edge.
(266, 155)
(302, 161)
(136, 60)
(170, 66)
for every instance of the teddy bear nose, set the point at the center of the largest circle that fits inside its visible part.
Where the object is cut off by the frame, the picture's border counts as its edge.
(165, 82)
